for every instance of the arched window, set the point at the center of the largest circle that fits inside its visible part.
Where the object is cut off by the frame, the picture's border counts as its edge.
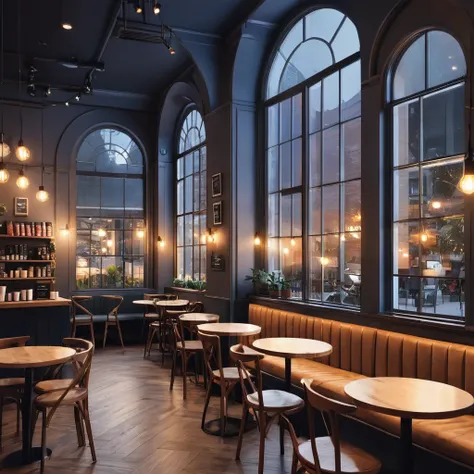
(313, 159)
(426, 101)
(110, 211)
(191, 199)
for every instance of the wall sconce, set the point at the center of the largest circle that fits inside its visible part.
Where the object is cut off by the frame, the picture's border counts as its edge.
(160, 241)
(65, 231)
(141, 233)
(257, 240)
(211, 236)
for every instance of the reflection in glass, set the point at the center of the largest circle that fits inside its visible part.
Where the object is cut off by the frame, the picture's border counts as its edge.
(350, 91)
(351, 137)
(315, 211)
(315, 159)
(331, 155)
(331, 100)
(352, 216)
(406, 133)
(406, 194)
(330, 208)
(315, 108)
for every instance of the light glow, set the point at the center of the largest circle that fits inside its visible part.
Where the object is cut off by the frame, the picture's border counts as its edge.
(42, 195)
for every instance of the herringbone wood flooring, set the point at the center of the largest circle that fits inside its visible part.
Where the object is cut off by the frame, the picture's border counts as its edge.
(141, 427)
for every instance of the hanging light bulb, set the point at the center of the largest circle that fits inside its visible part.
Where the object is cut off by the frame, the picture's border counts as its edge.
(4, 147)
(101, 232)
(286, 251)
(104, 250)
(22, 152)
(22, 181)
(466, 184)
(42, 195)
(424, 237)
(156, 8)
(138, 8)
(4, 174)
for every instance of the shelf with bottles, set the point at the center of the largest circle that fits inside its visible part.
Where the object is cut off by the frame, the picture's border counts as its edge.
(14, 237)
(27, 261)
(27, 278)
(26, 230)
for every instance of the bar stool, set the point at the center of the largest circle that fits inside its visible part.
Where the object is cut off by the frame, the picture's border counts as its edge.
(12, 388)
(112, 317)
(82, 318)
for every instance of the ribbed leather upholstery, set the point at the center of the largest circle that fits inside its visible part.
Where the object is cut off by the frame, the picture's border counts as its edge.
(360, 351)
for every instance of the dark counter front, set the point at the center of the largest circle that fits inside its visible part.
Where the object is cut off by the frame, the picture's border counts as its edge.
(45, 321)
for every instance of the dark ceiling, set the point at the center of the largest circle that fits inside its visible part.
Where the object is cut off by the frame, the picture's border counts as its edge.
(130, 66)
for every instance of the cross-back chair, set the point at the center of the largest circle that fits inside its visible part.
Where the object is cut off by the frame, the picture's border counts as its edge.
(76, 394)
(112, 316)
(328, 454)
(81, 316)
(150, 316)
(267, 405)
(226, 377)
(11, 388)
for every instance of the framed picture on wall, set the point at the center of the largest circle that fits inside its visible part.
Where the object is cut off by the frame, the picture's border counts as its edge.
(216, 183)
(21, 207)
(217, 212)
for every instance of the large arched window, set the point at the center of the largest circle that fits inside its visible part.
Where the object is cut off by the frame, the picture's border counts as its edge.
(110, 211)
(191, 202)
(313, 159)
(426, 100)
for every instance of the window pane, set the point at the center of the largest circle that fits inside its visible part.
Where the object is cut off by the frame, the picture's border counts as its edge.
(291, 259)
(134, 196)
(203, 263)
(272, 124)
(88, 195)
(203, 151)
(180, 168)
(296, 116)
(188, 263)
(188, 194)
(315, 211)
(330, 268)
(315, 108)
(315, 288)
(273, 165)
(352, 268)
(406, 133)
(351, 140)
(352, 216)
(441, 196)
(315, 159)
(297, 228)
(292, 40)
(285, 229)
(446, 59)
(443, 123)
(189, 164)
(330, 208)
(180, 197)
(285, 120)
(346, 41)
(196, 230)
(203, 190)
(285, 165)
(273, 215)
(296, 163)
(196, 200)
(111, 194)
(410, 73)
(331, 100)
(350, 92)
(406, 194)
(331, 155)
(180, 231)
(406, 251)
(112, 272)
(188, 229)
(180, 263)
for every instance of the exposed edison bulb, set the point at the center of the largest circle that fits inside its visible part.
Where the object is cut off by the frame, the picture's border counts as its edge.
(436, 204)
(292, 242)
(140, 233)
(466, 184)
(324, 261)
(4, 149)
(22, 152)
(257, 240)
(42, 195)
(4, 174)
(156, 8)
(101, 232)
(424, 237)
(109, 243)
(22, 181)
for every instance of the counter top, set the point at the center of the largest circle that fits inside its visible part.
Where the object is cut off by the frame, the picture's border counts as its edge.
(35, 303)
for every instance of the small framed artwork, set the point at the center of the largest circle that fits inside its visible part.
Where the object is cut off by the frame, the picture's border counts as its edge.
(217, 263)
(217, 211)
(21, 207)
(216, 181)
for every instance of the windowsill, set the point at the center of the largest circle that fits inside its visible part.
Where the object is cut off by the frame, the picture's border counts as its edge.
(186, 290)
(386, 320)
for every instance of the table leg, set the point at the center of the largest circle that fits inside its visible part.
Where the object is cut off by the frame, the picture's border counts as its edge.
(406, 445)
(288, 374)
(28, 453)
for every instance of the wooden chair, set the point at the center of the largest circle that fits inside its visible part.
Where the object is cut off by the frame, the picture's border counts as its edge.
(76, 395)
(267, 405)
(12, 388)
(112, 317)
(328, 454)
(226, 377)
(81, 316)
(151, 316)
(186, 349)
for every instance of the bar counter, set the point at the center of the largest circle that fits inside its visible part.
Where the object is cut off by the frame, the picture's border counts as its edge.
(33, 304)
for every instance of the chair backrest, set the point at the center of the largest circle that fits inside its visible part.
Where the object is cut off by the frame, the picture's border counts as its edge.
(79, 345)
(241, 355)
(171, 296)
(155, 296)
(333, 408)
(19, 341)
(82, 362)
(211, 345)
(116, 300)
(78, 307)
(195, 307)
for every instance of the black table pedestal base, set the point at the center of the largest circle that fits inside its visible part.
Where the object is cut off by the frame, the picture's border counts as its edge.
(232, 427)
(406, 445)
(16, 459)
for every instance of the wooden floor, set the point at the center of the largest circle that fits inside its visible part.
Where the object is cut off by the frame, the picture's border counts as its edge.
(141, 427)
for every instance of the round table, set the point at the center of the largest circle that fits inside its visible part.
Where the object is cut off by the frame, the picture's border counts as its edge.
(409, 399)
(290, 348)
(199, 318)
(171, 303)
(29, 358)
(144, 302)
(227, 330)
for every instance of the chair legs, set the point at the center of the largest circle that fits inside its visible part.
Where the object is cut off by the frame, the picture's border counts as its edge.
(261, 451)
(43, 440)
(184, 369)
(206, 403)
(87, 421)
(1, 420)
(241, 431)
(119, 330)
(294, 463)
(282, 437)
(79, 427)
(173, 369)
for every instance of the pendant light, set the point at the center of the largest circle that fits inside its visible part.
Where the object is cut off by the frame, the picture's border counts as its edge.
(4, 148)
(22, 181)
(42, 195)
(22, 152)
(466, 183)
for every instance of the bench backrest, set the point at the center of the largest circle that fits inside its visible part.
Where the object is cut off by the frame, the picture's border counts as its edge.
(374, 352)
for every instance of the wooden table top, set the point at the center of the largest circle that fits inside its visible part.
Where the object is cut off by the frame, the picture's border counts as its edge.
(230, 329)
(171, 303)
(199, 317)
(410, 398)
(34, 356)
(290, 347)
(144, 302)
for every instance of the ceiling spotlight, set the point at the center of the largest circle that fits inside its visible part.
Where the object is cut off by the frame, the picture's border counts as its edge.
(171, 50)
(31, 89)
(78, 97)
(67, 26)
(87, 89)
(66, 103)
(156, 8)
(47, 91)
(138, 8)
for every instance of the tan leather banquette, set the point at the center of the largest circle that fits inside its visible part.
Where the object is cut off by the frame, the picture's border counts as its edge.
(360, 351)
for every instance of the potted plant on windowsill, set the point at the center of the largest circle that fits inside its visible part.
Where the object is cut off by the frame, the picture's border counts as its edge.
(273, 285)
(259, 278)
(285, 286)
